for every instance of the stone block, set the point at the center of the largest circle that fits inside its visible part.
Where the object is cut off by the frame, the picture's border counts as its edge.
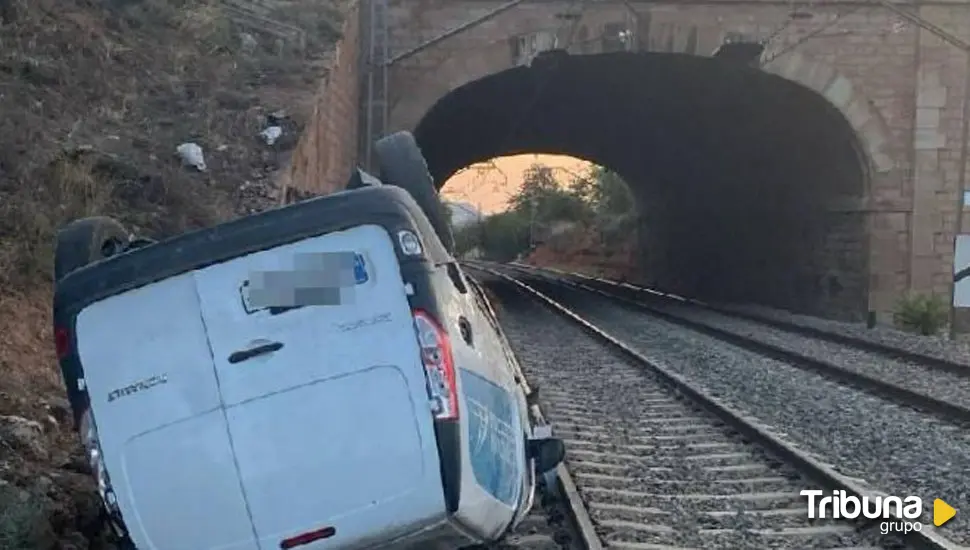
(928, 117)
(858, 111)
(931, 96)
(839, 91)
(942, 244)
(882, 162)
(817, 76)
(927, 160)
(893, 222)
(925, 187)
(928, 138)
(922, 275)
(787, 65)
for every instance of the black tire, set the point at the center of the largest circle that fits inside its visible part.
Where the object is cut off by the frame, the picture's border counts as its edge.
(86, 241)
(403, 165)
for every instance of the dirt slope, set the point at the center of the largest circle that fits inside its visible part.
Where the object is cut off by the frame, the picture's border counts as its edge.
(584, 250)
(95, 96)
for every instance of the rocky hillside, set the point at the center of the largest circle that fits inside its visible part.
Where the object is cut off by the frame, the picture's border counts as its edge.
(96, 96)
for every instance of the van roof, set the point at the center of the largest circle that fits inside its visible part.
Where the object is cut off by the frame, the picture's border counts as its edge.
(390, 207)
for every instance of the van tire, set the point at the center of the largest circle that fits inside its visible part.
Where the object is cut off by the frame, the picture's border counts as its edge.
(86, 241)
(402, 164)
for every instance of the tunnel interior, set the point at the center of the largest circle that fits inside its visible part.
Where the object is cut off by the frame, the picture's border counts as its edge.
(733, 168)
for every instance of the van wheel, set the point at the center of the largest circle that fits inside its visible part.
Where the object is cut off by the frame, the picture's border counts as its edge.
(86, 241)
(403, 165)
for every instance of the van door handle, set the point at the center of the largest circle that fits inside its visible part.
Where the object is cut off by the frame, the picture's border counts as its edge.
(242, 355)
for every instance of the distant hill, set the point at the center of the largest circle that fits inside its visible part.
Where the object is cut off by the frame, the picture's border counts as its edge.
(462, 213)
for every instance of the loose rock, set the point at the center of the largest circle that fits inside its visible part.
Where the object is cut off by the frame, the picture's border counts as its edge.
(25, 435)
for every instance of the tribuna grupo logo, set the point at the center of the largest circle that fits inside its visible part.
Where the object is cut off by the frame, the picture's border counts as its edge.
(897, 514)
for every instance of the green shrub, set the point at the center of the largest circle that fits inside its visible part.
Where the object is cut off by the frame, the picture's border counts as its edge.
(922, 313)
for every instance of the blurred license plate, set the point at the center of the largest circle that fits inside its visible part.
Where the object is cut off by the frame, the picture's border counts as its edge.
(317, 279)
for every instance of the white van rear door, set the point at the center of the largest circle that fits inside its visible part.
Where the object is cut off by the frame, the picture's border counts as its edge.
(329, 416)
(163, 434)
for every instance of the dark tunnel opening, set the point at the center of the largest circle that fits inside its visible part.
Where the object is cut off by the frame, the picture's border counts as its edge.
(734, 169)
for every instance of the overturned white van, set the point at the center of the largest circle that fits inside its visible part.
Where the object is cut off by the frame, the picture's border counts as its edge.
(321, 376)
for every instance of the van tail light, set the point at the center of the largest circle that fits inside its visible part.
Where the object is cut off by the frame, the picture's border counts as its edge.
(307, 538)
(62, 342)
(88, 431)
(439, 366)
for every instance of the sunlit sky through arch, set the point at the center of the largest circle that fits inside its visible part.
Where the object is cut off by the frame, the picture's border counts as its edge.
(488, 186)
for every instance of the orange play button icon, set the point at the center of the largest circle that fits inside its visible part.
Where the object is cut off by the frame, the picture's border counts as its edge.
(942, 512)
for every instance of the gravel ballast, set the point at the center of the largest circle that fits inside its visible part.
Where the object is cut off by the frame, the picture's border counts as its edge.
(936, 383)
(935, 346)
(652, 468)
(891, 448)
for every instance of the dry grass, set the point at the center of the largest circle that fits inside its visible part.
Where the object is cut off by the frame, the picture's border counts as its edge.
(95, 96)
(27, 328)
(31, 214)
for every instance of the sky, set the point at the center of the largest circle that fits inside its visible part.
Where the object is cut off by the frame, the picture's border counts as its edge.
(488, 187)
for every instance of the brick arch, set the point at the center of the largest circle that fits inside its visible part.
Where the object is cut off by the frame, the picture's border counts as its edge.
(438, 77)
(456, 70)
(838, 89)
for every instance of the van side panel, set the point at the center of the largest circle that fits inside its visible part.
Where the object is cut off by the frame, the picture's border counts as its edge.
(493, 434)
(333, 427)
(154, 396)
(491, 458)
(492, 437)
(493, 345)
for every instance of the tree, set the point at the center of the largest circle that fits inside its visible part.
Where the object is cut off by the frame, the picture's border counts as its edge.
(612, 195)
(543, 199)
(606, 193)
(468, 238)
(505, 236)
(610, 202)
(500, 237)
(600, 198)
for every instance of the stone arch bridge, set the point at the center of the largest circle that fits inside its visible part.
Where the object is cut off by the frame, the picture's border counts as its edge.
(801, 155)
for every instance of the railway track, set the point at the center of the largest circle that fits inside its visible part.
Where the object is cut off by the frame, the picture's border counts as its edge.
(927, 383)
(548, 527)
(888, 351)
(559, 519)
(659, 463)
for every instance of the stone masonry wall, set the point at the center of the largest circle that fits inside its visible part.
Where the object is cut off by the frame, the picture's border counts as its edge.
(936, 145)
(899, 85)
(327, 150)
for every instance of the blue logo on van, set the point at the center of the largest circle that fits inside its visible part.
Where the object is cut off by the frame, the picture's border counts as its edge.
(360, 270)
(492, 431)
